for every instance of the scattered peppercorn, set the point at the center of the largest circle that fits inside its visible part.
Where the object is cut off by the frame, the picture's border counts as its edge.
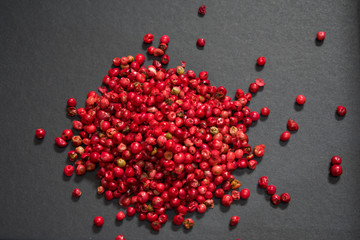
(200, 42)
(341, 110)
(336, 170)
(98, 221)
(40, 133)
(320, 36)
(261, 61)
(202, 10)
(300, 99)
(285, 136)
(234, 220)
(76, 193)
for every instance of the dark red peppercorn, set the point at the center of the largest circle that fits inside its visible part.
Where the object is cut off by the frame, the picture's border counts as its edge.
(261, 61)
(336, 160)
(178, 219)
(336, 170)
(40, 133)
(68, 170)
(202, 10)
(265, 111)
(98, 221)
(120, 216)
(320, 36)
(253, 87)
(285, 197)
(200, 42)
(263, 182)
(275, 199)
(76, 193)
(165, 59)
(188, 223)
(71, 102)
(292, 125)
(285, 136)
(60, 142)
(341, 110)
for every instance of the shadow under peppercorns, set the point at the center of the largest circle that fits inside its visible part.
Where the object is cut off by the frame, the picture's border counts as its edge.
(263, 118)
(37, 141)
(176, 227)
(58, 149)
(96, 229)
(258, 68)
(75, 199)
(283, 143)
(200, 48)
(318, 43)
(298, 107)
(338, 117)
(231, 227)
(201, 15)
(119, 223)
(145, 46)
(65, 178)
(332, 179)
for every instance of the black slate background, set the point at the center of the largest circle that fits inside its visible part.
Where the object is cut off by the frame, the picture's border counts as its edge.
(53, 50)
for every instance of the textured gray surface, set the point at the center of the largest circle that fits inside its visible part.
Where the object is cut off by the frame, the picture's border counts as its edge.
(52, 50)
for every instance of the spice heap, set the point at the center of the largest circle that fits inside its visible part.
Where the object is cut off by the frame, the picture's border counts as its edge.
(162, 139)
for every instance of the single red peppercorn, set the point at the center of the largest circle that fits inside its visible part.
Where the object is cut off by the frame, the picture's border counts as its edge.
(202, 10)
(285, 197)
(271, 189)
(67, 134)
(263, 182)
(265, 111)
(336, 170)
(148, 38)
(261, 61)
(275, 199)
(245, 193)
(260, 82)
(165, 59)
(76, 193)
(151, 50)
(130, 211)
(292, 125)
(234, 220)
(40, 133)
(336, 160)
(116, 61)
(98, 221)
(285, 136)
(200, 42)
(341, 110)
(71, 102)
(300, 99)
(68, 170)
(226, 200)
(253, 87)
(320, 36)
(120, 216)
(178, 219)
(120, 237)
(164, 39)
(60, 142)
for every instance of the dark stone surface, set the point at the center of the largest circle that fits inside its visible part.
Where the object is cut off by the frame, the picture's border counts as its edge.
(53, 50)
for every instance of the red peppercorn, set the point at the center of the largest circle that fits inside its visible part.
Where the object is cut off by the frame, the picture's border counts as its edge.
(202, 10)
(67, 134)
(116, 62)
(98, 221)
(320, 36)
(200, 42)
(165, 59)
(254, 116)
(60, 142)
(40, 133)
(341, 110)
(130, 211)
(178, 219)
(234, 220)
(300, 99)
(271, 189)
(285, 136)
(76, 193)
(151, 50)
(253, 87)
(261, 61)
(245, 193)
(265, 111)
(120, 237)
(292, 125)
(336, 160)
(263, 182)
(68, 170)
(226, 200)
(260, 82)
(188, 223)
(71, 102)
(285, 197)
(148, 38)
(120, 216)
(164, 39)
(156, 225)
(275, 199)
(336, 170)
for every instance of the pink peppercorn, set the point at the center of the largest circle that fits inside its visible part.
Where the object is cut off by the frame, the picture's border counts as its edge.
(341, 110)
(285, 197)
(285, 136)
(68, 170)
(165, 39)
(336, 160)
(202, 10)
(120, 237)
(320, 36)
(245, 193)
(261, 61)
(336, 170)
(226, 200)
(98, 221)
(275, 199)
(40, 133)
(148, 38)
(71, 102)
(260, 82)
(300, 99)
(253, 87)
(263, 182)
(254, 116)
(234, 220)
(200, 42)
(76, 193)
(265, 111)
(271, 189)
(120, 216)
